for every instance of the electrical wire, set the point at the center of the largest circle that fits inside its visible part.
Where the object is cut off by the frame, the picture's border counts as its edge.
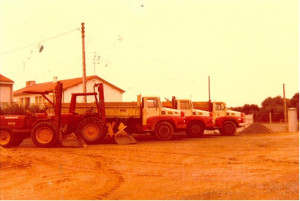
(17, 49)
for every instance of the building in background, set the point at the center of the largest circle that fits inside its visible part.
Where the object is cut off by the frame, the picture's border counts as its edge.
(6, 90)
(112, 93)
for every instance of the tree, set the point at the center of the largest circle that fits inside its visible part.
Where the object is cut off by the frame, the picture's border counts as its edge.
(273, 105)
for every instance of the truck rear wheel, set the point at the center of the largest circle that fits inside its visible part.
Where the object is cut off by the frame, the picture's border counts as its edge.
(164, 131)
(195, 129)
(44, 134)
(228, 128)
(7, 137)
(92, 130)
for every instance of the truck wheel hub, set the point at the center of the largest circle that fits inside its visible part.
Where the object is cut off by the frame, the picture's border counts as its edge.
(164, 131)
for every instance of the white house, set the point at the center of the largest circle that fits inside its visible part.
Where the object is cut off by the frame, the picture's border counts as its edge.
(112, 93)
(6, 90)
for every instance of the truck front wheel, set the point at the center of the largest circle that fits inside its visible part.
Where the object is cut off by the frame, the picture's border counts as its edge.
(228, 128)
(164, 131)
(44, 134)
(195, 129)
(7, 137)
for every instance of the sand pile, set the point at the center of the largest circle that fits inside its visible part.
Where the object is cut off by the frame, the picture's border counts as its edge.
(255, 128)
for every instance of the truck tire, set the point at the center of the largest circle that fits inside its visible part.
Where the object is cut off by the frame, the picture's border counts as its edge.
(228, 128)
(195, 129)
(164, 131)
(7, 137)
(92, 130)
(44, 134)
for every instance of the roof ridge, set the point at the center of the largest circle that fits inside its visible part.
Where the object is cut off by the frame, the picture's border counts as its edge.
(5, 79)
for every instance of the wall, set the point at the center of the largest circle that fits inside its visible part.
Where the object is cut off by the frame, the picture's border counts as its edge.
(5, 93)
(110, 94)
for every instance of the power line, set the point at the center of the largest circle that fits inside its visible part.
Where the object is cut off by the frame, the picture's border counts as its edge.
(17, 49)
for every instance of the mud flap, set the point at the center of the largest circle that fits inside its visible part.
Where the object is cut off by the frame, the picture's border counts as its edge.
(121, 137)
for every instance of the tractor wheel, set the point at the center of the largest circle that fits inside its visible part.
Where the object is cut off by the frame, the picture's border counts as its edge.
(92, 130)
(164, 131)
(228, 128)
(195, 129)
(44, 134)
(7, 137)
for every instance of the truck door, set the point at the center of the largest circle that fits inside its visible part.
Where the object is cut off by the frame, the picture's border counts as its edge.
(186, 107)
(150, 108)
(219, 110)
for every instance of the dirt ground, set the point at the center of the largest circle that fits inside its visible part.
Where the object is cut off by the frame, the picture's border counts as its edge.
(256, 166)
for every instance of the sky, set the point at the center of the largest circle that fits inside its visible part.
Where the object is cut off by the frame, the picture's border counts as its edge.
(249, 48)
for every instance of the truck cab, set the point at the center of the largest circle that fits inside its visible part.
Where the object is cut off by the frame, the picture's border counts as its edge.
(186, 106)
(152, 108)
(220, 110)
(196, 120)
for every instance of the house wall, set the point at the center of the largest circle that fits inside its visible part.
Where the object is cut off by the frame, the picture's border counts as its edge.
(110, 94)
(6, 93)
(31, 99)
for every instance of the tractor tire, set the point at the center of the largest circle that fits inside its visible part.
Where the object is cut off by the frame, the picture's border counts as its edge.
(195, 129)
(164, 131)
(92, 130)
(44, 134)
(228, 128)
(7, 137)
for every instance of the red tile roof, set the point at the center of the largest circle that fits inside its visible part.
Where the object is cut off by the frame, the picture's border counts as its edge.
(50, 86)
(5, 79)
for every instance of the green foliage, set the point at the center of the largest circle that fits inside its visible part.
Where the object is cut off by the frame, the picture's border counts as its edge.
(270, 105)
(16, 109)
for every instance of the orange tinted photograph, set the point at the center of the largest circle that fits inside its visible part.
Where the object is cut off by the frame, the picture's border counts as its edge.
(149, 100)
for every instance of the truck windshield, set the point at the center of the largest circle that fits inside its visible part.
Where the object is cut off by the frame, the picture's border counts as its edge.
(185, 105)
(220, 107)
(153, 103)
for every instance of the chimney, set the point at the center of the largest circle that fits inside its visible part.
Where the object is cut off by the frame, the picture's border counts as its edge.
(54, 79)
(30, 83)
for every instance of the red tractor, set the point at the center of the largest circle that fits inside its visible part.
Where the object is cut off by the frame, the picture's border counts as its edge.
(47, 130)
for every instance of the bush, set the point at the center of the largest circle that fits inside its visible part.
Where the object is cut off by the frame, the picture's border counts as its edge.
(16, 109)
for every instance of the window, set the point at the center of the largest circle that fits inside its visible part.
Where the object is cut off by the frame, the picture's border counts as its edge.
(220, 106)
(184, 105)
(151, 103)
(21, 101)
(27, 101)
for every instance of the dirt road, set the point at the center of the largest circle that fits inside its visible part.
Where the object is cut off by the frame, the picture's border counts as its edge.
(254, 166)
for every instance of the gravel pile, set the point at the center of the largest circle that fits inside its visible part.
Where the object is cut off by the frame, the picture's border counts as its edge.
(255, 128)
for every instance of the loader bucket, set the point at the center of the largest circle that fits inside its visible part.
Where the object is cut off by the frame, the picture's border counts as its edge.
(121, 137)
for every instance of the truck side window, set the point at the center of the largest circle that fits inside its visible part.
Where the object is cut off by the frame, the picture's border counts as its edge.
(184, 105)
(151, 103)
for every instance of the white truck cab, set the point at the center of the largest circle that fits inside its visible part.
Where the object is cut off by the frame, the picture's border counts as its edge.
(186, 106)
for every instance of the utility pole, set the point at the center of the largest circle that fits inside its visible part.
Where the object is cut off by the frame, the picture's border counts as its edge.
(284, 104)
(83, 61)
(209, 88)
(209, 101)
